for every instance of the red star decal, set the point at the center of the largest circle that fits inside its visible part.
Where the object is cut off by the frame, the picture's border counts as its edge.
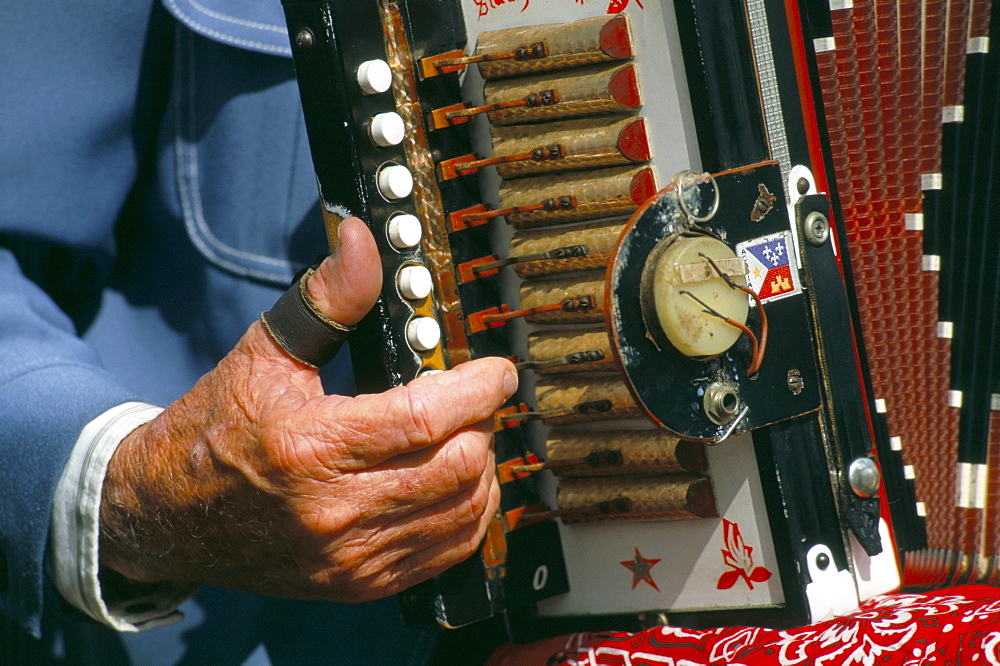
(640, 567)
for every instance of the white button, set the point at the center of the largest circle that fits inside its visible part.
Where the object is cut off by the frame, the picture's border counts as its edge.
(404, 231)
(428, 373)
(387, 129)
(374, 76)
(395, 181)
(423, 333)
(414, 282)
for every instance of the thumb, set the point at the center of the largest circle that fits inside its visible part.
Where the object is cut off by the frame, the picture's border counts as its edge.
(347, 283)
(344, 288)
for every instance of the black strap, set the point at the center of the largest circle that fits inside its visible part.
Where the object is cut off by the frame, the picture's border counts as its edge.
(305, 333)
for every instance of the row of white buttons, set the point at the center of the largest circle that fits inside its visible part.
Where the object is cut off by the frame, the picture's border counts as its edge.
(415, 283)
(396, 182)
(385, 129)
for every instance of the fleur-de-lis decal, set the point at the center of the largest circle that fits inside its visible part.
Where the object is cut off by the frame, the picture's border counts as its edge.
(739, 558)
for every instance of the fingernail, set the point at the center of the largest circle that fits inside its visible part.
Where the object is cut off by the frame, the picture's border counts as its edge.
(509, 383)
(335, 250)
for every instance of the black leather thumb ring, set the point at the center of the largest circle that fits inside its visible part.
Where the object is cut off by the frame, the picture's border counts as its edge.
(305, 333)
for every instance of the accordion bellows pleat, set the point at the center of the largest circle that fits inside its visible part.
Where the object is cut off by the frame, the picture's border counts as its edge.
(895, 76)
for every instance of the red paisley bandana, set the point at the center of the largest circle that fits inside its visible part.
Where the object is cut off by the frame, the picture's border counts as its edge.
(951, 627)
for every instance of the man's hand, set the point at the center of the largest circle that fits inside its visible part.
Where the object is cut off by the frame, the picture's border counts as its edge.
(256, 480)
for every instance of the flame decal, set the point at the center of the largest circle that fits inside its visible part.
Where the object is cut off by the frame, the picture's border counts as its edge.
(739, 558)
(618, 6)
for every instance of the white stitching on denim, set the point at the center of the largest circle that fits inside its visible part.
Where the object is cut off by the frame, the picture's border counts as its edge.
(221, 36)
(211, 13)
(186, 160)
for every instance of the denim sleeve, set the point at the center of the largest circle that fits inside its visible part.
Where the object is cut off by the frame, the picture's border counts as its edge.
(69, 153)
(50, 387)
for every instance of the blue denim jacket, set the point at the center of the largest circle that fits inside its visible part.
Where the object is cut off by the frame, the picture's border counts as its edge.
(156, 194)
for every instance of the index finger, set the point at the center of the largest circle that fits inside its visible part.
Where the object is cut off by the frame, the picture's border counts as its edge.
(377, 427)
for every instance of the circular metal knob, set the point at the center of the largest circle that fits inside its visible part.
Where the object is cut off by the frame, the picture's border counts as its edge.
(304, 39)
(374, 76)
(864, 477)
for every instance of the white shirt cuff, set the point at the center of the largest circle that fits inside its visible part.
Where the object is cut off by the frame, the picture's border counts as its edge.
(74, 557)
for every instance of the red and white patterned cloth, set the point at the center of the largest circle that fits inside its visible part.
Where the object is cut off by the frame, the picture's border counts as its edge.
(952, 627)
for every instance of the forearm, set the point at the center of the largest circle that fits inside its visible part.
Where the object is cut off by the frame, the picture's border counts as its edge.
(167, 511)
(181, 502)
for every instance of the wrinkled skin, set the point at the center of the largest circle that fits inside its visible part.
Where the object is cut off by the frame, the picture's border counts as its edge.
(257, 481)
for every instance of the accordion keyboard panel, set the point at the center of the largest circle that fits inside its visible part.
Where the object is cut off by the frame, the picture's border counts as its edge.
(717, 286)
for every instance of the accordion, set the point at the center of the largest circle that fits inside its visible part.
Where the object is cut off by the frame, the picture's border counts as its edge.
(712, 236)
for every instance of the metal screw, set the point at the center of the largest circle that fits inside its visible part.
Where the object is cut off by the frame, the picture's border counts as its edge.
(651, 619)
(304, 39)
(802, 185)
(816, 228)
(864, 477)
(795, 383)
(822, 561)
